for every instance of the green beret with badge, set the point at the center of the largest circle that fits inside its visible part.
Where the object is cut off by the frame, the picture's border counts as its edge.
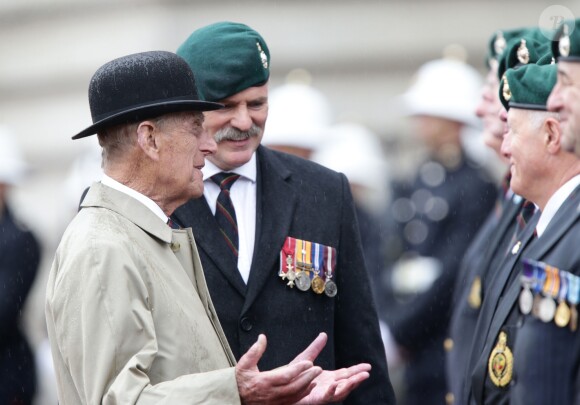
(528, 86)
(226, 58)
(566, 46)
(522, 50)
(498, 42)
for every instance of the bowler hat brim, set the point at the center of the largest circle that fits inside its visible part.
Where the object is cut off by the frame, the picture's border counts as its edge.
(144, 112)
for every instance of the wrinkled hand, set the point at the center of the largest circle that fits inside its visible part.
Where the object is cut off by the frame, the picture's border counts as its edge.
(334, 386)
(284, 385)
(331, 386)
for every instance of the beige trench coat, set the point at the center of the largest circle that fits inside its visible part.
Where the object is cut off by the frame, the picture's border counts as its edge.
(129, 317)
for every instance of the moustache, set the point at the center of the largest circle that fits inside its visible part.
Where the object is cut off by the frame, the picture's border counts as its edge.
(234, 134)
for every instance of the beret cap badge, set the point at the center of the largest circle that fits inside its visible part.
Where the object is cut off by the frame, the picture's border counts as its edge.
(564, 42)
(506, 92)
(263, 56)
(499, 44)
(523, 53)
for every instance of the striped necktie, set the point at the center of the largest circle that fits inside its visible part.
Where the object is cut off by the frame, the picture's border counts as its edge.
(225, 213)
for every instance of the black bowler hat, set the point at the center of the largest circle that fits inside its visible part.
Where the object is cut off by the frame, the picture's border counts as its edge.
(142, 86)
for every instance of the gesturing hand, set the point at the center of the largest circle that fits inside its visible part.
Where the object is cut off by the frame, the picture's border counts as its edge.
(284, 385)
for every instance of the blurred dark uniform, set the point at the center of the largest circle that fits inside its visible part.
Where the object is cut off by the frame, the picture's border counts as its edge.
(19, 259)
(450, 204)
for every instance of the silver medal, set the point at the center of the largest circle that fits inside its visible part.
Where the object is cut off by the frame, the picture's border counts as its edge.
(547, 309)
(330, 288)
(302, 281)
(526, 301)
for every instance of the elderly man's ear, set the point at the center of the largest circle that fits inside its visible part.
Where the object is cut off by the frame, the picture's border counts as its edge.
(148, 139)
(553, 135)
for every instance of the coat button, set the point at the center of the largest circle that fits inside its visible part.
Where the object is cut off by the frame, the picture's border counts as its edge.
(246, 324)
(175, 246)
(448, 344)
(449, 398)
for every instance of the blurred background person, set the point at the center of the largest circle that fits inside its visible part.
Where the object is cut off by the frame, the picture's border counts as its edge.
(431, 222)
(19, 260)
(299, 116)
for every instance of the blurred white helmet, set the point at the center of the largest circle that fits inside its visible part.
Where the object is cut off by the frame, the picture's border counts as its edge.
(446, 88)
(12, 164)
(298, 115)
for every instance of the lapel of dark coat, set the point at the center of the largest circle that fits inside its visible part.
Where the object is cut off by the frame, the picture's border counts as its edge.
(275, 204)
(197, 214)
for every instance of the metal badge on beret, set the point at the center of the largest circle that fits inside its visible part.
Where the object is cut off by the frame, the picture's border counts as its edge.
(263, 56)
(501, 362)
(507, 95)
(523, 53)
(564, 42)
(499, 43)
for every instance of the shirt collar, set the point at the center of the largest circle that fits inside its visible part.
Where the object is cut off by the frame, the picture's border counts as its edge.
(148, 202)
(555, 202)
(248, 170)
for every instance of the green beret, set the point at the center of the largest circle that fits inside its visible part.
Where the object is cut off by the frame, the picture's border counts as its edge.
(523, 50)
(226, 58)
(498, 42)
(528, 86)
(566, 46)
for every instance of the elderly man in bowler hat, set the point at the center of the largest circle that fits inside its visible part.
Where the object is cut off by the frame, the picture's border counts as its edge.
(277, 235)
(128, 312)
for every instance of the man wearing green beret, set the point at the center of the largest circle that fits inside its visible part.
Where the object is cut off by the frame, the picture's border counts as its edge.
(493, 236)
(530, 352)
(565, 98)
(277, 235)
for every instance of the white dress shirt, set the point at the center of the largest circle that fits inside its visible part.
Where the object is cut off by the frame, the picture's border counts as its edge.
(555, 202)
(148, 202)
(243, 195)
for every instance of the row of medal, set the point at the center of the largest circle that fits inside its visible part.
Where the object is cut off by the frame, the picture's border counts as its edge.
(308, 265)
(549, 294)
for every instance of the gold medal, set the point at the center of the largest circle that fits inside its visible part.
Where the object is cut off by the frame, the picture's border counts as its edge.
(474, 298)
(562, 316)
(317, 285)
(501, 362)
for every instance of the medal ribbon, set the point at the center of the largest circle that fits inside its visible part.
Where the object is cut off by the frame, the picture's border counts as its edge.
(552, 283)
(318, 260)
(304, 250)
(539, 276)
(527, 273)
(330, 261)
(287, 250)
(573, 288)
(563, 285)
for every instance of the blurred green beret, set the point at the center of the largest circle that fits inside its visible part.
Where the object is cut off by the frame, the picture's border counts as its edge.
(226, 58)
(528, 86)
(497, 44)
(523, 50)
(566, 46)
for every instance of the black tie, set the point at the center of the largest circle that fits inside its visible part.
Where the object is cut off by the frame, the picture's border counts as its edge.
(225, 213)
